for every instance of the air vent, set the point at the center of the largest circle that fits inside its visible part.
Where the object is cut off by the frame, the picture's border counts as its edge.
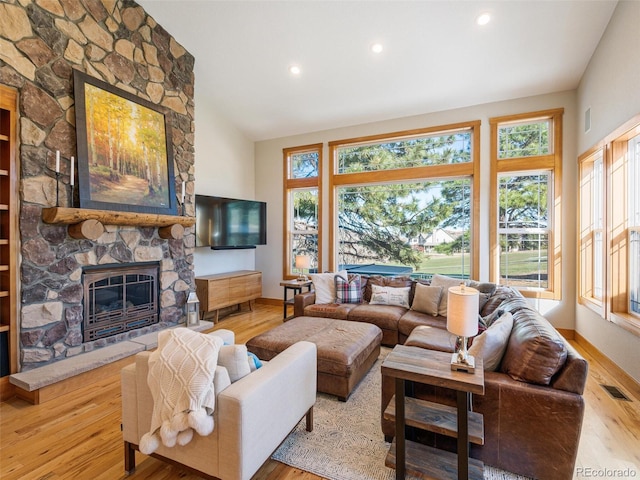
(587, 120)
(615, 392)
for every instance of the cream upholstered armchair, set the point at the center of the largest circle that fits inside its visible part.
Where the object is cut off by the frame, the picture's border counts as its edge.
(252, 416)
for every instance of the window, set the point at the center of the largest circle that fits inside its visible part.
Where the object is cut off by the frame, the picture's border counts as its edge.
(403, 202)
(526, 162)
(609, 262)
(302, 200)
(523, 229)
(591, 230)
(633, 207)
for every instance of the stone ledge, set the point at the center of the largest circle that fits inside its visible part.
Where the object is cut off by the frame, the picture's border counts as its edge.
(37, 378)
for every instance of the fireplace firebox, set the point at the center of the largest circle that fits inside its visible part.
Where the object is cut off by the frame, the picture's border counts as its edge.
(119, 298)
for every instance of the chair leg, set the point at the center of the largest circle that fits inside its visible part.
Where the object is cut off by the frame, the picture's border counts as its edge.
(129, 458)
(309, 418)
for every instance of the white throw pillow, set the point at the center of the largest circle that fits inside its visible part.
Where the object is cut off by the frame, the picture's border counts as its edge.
(325, 287)
(491, 344)
(426, 299)
(445, 283)
(390, 296)
(221, 379)
(234, 359)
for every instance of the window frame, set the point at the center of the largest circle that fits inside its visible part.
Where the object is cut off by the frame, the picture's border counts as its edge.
(551, 162)
(420, 173)
(297, 184)
(587, 230)
(619, 228)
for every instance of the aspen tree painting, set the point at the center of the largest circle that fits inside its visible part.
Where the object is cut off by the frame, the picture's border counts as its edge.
(124, 155)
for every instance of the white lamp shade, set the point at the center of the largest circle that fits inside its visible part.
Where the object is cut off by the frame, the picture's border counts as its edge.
(462, 311)
(303, 261)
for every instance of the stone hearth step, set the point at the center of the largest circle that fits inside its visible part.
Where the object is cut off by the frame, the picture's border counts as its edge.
(40, 377)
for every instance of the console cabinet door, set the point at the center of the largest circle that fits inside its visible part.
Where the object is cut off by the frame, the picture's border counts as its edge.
(226, 289)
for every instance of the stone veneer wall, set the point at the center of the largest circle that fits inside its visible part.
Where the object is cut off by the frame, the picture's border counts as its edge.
(41, 41)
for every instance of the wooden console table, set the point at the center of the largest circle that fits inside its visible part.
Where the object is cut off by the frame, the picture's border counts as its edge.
(225, 289)
(433, 368)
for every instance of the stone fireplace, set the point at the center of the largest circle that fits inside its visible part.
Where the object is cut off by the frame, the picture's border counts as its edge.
(116, 42)
(118, 299)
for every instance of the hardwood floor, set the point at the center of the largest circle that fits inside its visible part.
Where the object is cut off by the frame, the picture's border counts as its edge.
(77, 436)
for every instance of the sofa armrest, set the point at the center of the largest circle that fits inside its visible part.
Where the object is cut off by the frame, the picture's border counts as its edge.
(302, 300)
(522, 414)
(256, 413)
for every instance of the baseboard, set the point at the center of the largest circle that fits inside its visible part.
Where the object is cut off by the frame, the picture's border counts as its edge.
(567, 333)
(625, 380)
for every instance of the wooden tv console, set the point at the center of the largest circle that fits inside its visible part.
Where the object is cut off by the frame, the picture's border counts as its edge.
(225, 289)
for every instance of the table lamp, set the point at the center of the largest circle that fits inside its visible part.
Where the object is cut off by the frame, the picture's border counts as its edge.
(462, 320)
(303, 262)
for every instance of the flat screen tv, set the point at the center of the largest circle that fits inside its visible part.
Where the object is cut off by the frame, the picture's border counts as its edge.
(229, 223)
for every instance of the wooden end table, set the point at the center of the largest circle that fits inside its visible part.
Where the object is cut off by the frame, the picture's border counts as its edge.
(433, 368)
(296, 286)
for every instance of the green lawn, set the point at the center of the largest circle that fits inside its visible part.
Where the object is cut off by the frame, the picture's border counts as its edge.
(519, 263)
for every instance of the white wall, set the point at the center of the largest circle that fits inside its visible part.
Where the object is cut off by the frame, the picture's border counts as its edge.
(224, 166)
(269, 168)
(611, 88)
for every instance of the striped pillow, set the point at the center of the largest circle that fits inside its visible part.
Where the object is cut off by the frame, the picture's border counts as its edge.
(348, 291)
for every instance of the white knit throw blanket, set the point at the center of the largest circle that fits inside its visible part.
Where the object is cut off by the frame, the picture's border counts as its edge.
(180, 377)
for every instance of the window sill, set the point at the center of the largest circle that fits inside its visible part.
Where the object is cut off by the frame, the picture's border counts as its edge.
(592, 304)
(629, 322)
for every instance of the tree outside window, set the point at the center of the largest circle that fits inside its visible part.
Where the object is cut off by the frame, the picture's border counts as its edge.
(403, 202)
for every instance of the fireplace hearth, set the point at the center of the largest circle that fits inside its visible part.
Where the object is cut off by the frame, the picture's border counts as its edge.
(119, 298)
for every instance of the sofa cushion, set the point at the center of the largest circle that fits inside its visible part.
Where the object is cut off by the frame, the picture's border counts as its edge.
(390, 296)
(444, 282)
(535, 351)
(384, 316)
(412, 319)
(337, 311)
(426, 299)
(325, 287)
(432, 338)
(348, 291)
(491, 344)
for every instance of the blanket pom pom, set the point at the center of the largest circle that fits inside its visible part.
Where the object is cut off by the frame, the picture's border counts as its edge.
(149, 443)
(167, 434)
(185, 437)
(201, 422)
(180, 422)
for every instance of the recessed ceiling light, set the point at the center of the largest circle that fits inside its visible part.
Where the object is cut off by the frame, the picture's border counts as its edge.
(295, 70)
(483, 19)
(376, 48)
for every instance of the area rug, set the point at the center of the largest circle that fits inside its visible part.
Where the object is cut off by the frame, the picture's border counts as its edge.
(346, 442)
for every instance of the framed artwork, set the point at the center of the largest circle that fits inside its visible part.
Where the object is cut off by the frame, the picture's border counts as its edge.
(125, 160)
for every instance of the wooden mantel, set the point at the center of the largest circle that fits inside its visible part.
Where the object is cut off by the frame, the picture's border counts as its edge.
(89, 223)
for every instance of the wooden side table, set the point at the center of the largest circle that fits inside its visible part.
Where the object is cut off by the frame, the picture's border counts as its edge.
(296, 286)
(433, 368)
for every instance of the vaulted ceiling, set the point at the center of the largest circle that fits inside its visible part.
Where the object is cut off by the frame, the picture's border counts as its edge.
(434, 57)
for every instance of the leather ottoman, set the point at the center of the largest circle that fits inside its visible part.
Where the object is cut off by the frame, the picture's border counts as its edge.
(346, 350)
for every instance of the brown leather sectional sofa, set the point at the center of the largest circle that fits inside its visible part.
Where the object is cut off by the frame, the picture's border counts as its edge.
(533, 404)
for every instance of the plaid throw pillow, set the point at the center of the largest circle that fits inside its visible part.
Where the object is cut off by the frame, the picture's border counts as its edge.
(348, 291)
